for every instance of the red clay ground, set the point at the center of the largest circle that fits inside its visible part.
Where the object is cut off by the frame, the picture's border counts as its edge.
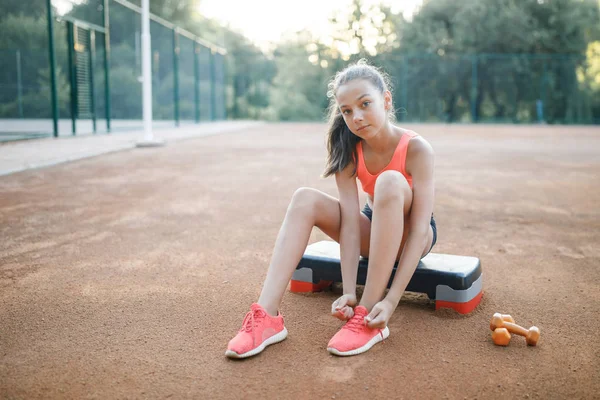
(124, 276)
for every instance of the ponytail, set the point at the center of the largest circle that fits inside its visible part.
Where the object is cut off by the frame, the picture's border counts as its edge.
(341, 143)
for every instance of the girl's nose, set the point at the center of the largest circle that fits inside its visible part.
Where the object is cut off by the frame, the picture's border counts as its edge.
(358, 117)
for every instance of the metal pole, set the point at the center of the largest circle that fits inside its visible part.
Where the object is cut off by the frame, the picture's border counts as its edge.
(212, 85)
(137, 50)
(474, 88)
(19, 86)
(176, 75)
(92, 55)
(224, 88)
(106, 21)
(146, 72)
(148, 139)
(72, 73)
(197, 82)
(53, 94)
(543, 91)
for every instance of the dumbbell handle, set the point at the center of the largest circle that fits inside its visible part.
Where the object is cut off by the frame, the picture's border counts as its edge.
(508, 318)
(505, 318)
(516, 329)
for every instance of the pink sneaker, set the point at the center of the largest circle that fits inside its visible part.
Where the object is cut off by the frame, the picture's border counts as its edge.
(259, 330)
(355, 337)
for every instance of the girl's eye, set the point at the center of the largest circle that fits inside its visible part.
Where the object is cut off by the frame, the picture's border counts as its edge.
(346, 112)
(366, 103)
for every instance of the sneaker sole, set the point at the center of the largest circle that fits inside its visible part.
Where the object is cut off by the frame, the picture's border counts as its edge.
(376, 339)
(272, 340)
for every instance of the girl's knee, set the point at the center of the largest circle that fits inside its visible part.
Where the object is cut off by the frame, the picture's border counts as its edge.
(391, 185)
(304, 200)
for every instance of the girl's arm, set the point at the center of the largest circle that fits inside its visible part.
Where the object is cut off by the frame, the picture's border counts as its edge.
(350, 227)
(420, 159)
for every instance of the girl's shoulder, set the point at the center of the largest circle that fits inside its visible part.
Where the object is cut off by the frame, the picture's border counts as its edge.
(419, 149)
(413, 137)
(408, 132)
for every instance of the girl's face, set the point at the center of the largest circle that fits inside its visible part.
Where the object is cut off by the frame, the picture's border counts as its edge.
(364, 107)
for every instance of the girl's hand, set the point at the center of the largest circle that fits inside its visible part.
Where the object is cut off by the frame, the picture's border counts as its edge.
(342, 308)
(380, 315)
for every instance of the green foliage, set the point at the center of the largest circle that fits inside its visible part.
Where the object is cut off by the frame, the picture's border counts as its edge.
(33, 9)
(589, 77)
(363, 30)
(12, 27)
(90, 11)
(509, 80)
(250, 74)
(126, 92)
(486, 60)
(298, 90)
(32, 48)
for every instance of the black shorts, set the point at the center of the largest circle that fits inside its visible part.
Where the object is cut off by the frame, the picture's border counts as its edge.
(369, 213)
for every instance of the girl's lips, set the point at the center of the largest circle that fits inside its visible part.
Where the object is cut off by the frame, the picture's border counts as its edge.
(362, 127)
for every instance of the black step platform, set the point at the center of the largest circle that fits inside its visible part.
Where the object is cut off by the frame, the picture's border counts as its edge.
(453, 281)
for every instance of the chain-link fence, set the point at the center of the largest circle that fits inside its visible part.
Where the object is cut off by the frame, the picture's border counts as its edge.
(92, 70)
(496, 88)
(88, 77)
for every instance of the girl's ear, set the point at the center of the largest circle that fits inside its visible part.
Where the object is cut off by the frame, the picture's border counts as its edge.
(387, 100)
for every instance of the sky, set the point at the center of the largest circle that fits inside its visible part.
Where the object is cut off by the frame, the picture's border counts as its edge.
(265, 21)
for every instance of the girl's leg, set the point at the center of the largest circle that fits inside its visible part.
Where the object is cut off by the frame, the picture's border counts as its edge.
(392, 202)
(308, 208)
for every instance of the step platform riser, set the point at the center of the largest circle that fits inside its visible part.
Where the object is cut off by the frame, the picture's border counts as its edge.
(442, 292)
(452, 281)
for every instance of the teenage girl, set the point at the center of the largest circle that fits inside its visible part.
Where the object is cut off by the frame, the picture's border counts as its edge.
(395, 168)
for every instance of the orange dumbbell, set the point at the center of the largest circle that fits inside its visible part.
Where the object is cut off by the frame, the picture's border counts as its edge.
(505, 318)
(501, 337)
(531, 335)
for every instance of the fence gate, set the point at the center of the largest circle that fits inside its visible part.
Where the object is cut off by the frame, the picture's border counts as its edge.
(82, 53)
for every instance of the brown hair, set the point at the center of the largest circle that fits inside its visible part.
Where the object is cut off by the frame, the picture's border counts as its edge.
(341, 142)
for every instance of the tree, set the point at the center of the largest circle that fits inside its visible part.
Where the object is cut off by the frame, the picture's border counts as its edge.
(32, 9)
(362, 30)
(300, 86)
(512, 29)
(28, 36)
(250, 75)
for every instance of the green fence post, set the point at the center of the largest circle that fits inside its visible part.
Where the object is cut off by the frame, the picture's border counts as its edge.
(53, 93)
(196, 82)
(92, 55)
(543, 88)
(224, 88)
(474, 88)
(106, 21)
(19, 85)
(72, 72)
(212, 85)
(176, 74)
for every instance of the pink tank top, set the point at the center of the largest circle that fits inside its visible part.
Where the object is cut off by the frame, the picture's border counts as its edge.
(398, 163)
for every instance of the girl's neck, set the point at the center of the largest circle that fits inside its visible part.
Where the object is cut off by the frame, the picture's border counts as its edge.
(387, 137)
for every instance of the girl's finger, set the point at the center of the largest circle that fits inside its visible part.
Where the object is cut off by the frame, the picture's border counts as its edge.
(340, 303)
(340, 313)
(377, 322)
(348, 312)
(377, 325)
(372, 315)
(336, 305)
